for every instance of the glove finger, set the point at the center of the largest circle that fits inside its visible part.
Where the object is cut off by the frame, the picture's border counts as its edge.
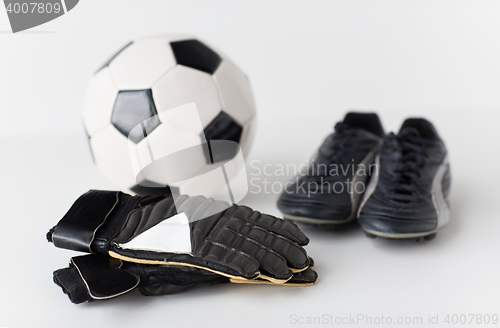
(217, 255)
(212, 256)
(295, 255)
(164, 279)
(277, 225)
(311, 264)
(305, 278)
(267, 259)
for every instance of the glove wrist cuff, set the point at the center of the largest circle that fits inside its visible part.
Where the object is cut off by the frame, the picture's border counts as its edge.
(72, 284)
(94, 277)
(77, 228)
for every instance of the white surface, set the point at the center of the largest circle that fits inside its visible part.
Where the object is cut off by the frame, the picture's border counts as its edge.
(172, 235)
(308, 62)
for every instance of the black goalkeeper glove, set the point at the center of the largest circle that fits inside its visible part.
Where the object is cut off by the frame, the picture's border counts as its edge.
(231, 240)
(98, 277)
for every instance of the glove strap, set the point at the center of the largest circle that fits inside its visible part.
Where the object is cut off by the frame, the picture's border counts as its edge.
(77, 228)
(94, 277)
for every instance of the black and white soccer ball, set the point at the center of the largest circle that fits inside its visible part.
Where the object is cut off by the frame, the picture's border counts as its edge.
(159, 96)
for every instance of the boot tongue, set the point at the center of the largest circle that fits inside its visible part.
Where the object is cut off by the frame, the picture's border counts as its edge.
(423, 127)
(366, 121)
(408, 132)
(355, 119)
(410, 141)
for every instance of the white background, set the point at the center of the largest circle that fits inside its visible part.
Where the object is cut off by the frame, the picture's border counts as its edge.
(308, 61)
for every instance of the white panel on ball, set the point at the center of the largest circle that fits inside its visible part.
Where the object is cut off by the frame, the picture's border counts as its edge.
(236, 174)
(184, 117)
(237, 99)
(157, 154)
(208, 183)
(183, 85)
(98, 104)
(141, 64)
(248, 136)
(112, 155)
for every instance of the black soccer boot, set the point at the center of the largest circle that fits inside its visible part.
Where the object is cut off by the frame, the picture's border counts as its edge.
(407, 197)
(330, 191)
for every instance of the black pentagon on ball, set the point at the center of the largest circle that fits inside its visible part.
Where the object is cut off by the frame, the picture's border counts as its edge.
(107, 62)
(134, 108)
(194, 54)
(222, 127)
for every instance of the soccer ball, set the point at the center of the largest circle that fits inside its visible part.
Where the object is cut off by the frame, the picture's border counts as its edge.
(170, 114)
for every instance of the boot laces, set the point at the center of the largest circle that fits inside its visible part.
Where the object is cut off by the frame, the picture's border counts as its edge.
(408, 170)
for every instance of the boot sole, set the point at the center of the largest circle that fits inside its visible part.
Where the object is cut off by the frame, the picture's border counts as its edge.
(414, 237)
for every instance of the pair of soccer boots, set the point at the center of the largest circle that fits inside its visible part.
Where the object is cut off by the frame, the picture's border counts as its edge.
(395, 185)
(162, 244)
